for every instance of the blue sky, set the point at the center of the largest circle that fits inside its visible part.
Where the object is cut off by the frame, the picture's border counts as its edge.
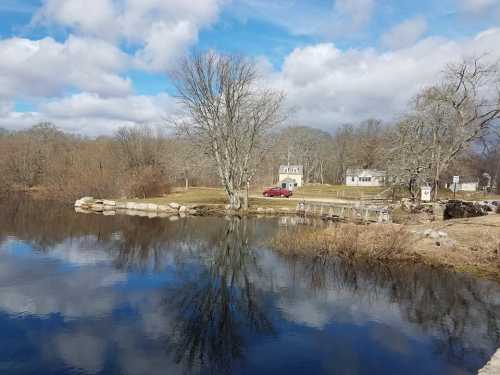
(91, 66)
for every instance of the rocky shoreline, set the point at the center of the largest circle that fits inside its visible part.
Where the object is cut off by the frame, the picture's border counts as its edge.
(171, 210)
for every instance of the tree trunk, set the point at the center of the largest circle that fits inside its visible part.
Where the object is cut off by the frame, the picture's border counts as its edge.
(245, 198)
(234, 200)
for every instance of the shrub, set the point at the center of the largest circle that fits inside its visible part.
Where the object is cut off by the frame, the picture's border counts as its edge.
(347, 241)
(146, 183)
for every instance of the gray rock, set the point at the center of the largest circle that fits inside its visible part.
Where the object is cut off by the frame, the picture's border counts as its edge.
(175, 206)
(166, 209)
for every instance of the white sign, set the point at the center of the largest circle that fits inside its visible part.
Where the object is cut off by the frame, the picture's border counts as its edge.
(456, 179)
(425, 192)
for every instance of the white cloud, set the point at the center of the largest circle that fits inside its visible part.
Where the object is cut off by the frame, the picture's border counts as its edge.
(91, 114)
(328, 86)
(309, 18)
(45, 67)
(479, 6)
(357, 12)
(406, 33)
(160, 29)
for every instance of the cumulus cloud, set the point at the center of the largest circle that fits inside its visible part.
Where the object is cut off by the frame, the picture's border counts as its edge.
(91, 114)
(405, 34)
(159, 29)
(328, 86)
(45, 67)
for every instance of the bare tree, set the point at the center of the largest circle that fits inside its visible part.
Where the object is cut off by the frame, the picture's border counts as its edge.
(459, 111)
(447, 119)
(227, 113)
(409, 160)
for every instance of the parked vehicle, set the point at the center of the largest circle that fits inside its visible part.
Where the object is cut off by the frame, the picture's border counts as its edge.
(277, 192)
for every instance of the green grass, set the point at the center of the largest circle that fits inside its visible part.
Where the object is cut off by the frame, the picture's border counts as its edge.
(216, 196)
(194, 195)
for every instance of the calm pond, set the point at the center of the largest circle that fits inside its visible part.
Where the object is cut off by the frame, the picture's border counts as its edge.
(88, 294)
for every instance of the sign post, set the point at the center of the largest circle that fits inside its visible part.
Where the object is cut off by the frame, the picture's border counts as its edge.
(456, 181)
(425, 193)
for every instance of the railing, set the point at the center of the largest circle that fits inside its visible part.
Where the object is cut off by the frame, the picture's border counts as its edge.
(336, 211)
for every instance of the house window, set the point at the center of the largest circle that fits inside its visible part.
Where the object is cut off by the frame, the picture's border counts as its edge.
(353, 179)
(365, 179)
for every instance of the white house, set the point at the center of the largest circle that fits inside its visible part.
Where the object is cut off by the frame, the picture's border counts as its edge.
(470, 184)
(291, 176)
(365, 177)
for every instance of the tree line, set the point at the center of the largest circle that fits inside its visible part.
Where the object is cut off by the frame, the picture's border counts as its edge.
(235, 132)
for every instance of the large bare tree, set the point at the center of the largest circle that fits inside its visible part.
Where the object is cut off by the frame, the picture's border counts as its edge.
(228, 113)
(449, 117)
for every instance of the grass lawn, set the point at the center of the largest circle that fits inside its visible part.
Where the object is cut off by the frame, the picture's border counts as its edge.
(468, 196)
(203, 195)
(338, 191)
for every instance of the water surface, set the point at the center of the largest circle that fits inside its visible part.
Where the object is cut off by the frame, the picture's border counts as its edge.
(87, 294)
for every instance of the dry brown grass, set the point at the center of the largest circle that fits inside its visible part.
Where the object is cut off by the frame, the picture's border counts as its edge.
(470, 245)
(377, 242)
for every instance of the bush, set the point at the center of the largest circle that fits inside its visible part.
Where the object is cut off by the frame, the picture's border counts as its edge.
(349, 241)
(146, 183)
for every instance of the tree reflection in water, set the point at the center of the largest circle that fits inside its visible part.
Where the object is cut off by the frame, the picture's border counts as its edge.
(219, 295)
(218, 307)
(460, 312)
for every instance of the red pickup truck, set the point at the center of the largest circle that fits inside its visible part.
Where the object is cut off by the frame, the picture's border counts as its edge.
(277, 192)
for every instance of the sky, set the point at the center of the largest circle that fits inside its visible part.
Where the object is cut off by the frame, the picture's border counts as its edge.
(92, 66)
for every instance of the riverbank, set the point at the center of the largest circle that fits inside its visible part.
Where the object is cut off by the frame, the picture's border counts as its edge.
(465, 245)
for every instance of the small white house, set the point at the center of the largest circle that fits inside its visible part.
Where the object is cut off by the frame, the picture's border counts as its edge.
(291, 177)
(365, 177)
(468, 184)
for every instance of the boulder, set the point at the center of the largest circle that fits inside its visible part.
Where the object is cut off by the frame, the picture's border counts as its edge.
(456, 209)
(85, 201)
(166, 209)
(131, 206)
(96, 207)
(183, 209)
(175, 206)
(151, 207)
(108, 202)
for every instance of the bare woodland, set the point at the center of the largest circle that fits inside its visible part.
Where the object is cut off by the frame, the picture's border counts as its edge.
(235, 133)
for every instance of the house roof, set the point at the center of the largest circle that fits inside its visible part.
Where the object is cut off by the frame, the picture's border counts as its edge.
(365, 172)
(288, 180)
(299, 168)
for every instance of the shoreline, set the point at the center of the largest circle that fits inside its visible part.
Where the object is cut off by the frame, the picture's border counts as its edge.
(464, 245)
(470, 246)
